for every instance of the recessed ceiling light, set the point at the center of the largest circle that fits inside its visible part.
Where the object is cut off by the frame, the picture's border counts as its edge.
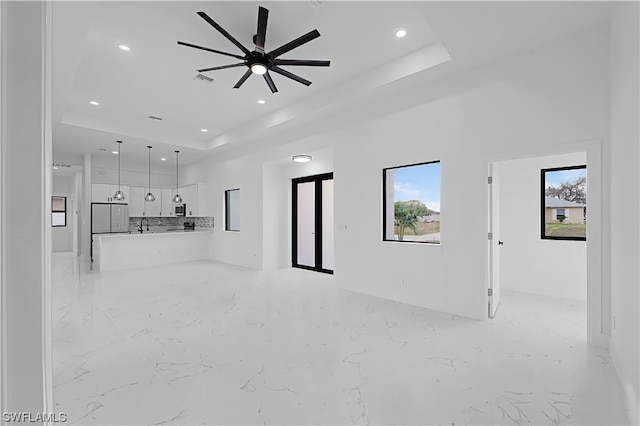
(55, 168)
(94, 103)
(163, 159)
(124, 47)
(401, 33)
(204, 130)
(301, 158)
(114, 152)
(261, 101)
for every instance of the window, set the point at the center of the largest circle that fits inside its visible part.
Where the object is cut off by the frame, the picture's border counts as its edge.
(232, 210)
(564, 203)
(411, 199)
(58, 211)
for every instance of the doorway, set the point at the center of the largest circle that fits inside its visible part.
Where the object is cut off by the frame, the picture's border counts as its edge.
(521, 260)
(312, 223)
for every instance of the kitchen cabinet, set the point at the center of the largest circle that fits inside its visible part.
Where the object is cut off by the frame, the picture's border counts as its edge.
(189, 196)
(205, 200)
(166, 209)
(103, 193)
(198, 199)
(136, 201)
(152, 208)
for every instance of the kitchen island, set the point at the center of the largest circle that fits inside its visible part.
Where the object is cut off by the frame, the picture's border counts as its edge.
(135, 250)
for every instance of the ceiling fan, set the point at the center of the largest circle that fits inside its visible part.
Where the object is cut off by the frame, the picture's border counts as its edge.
(258, 61)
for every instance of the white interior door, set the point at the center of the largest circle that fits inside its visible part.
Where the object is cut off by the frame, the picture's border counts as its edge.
(494, 242)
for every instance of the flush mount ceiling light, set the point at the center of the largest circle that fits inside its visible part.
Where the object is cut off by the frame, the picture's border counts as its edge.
(401, 32)
(163, 159)
(124, 47)
(119, 195)
(258, 61)
(114, 152)
(261, 101)
(149, 197)
(94, 103)
(204, 130)
(302, 158)
(177, 198)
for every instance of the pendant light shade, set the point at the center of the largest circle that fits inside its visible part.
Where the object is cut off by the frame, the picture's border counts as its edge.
(149, 197)
(177, 198)
(119, 195)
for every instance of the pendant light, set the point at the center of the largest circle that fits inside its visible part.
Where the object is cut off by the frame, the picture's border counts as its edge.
(177, 198)
(119, 195)
(149, 197)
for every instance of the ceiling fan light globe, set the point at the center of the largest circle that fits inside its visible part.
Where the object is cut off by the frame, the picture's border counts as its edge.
(149, 197)
(119, 195)
(259, 69)
(177, 198)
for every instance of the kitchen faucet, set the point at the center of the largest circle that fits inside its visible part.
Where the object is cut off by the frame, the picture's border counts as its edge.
(140, 229)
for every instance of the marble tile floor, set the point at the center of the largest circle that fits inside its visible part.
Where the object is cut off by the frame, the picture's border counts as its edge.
(208, 343)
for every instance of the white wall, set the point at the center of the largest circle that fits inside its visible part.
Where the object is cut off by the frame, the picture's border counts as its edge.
(26, 218)
(528, 263)
(544, 97)
(62, 237)
(625, 135)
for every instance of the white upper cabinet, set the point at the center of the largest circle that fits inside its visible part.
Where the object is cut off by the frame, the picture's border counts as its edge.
(166, 209)
(197, 197)
(103, 193)
(136, 201)
(153, 208)
(205, 200)
(189, 196)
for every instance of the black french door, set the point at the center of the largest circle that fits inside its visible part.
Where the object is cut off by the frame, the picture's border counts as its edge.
(312, 223)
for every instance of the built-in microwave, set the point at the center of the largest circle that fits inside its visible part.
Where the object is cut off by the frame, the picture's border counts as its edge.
(180, 210)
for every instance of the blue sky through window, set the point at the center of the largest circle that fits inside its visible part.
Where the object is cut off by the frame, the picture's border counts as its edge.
(556, 178)
(420, 182)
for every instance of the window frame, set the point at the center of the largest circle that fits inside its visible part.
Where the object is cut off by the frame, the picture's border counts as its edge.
(543, 188)
(227, 209)
(59, 211)
(384, 203)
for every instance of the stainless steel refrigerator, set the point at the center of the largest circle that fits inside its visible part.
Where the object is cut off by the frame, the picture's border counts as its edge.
(108, 218)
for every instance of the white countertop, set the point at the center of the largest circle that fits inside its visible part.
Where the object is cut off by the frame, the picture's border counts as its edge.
(154, 232)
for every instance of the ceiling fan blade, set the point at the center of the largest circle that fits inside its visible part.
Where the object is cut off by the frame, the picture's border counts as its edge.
(222, 31)
(243, 79)
(290, 75)
(221, 67)
(261, 34)
(295, 43)
(270, 83)
(210, 50)
(302, 62)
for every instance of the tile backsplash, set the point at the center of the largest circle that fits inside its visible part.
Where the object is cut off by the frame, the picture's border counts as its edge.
(201, 222)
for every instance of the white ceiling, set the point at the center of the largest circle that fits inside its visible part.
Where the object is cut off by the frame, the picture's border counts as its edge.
(157, 76)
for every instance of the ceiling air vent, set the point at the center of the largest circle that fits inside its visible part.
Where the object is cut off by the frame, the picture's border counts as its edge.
(61, 165)
(204, 78)
(317, 3)
(153, 117)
